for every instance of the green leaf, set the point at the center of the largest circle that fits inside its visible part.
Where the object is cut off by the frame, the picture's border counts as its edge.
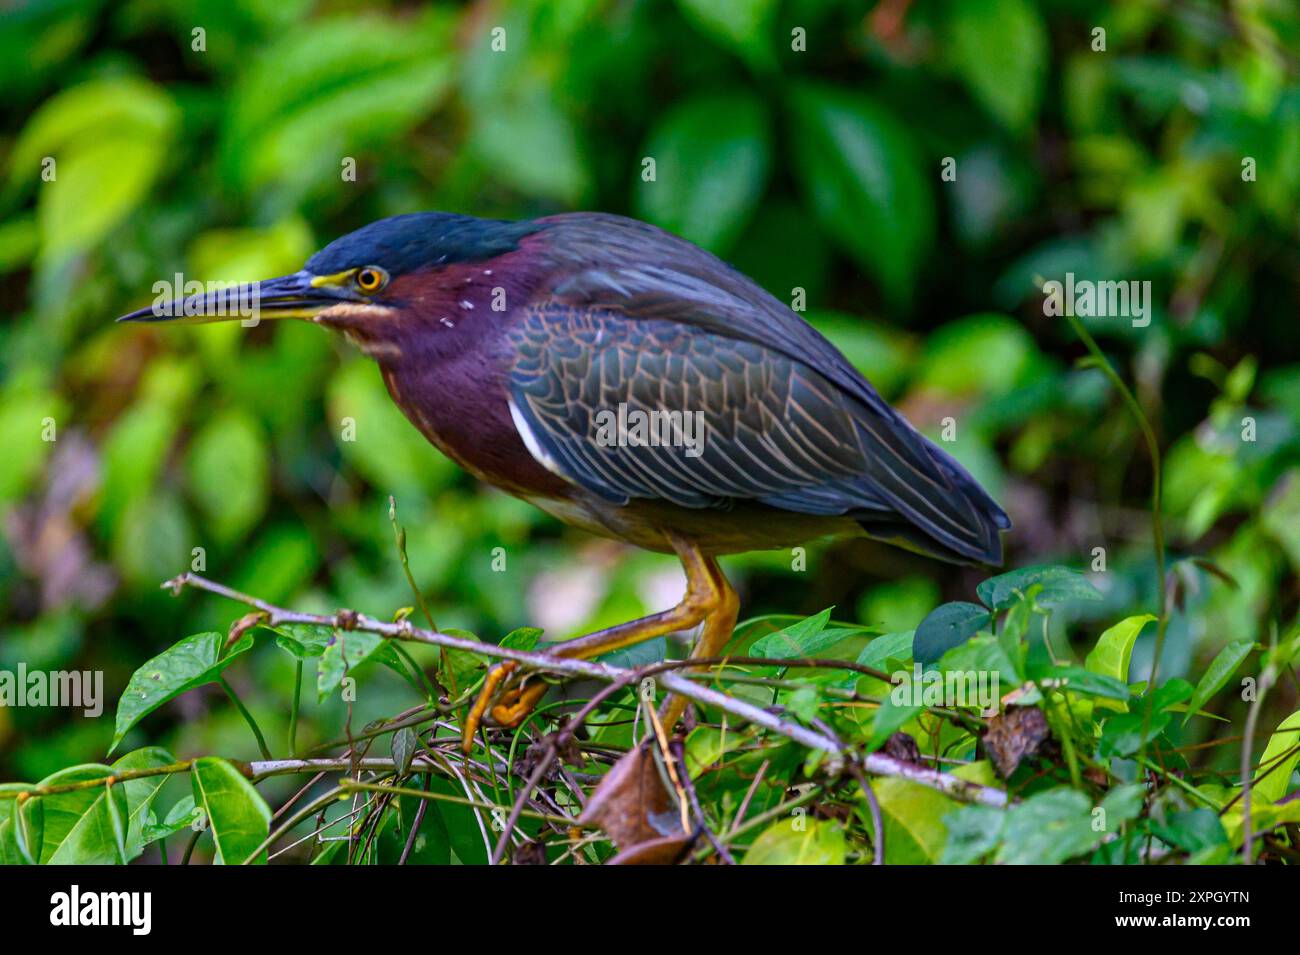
(180, 816)
(465, 665)
(1000, 49)
(1171, 695)
(23, 408)
(798, 841)
(328, 88)
(1218, 673)
(1121, 735)
(897, 646)
(1280, 515)
(405, 744)
(1191, 830)
(1007, 356)
(1081, 680)
(743, 25)
(637, 655)
(1279, 759)
(983, 654)
(85, 826)
(461, 823)
(21, 829)
(712, 156)
(1060, 585)
(431, 845)
(891, 717)
(1122, 804)
(945, 627)
(303, 641)
(140, 793)
(522, 638)
(229, 473)
(864, 179)
(973, 833)
(237, 815)
(1047, 828)
(532, 145)
(108, 138)
(915, 833)
(707, 745)
(794, 640)
(804, 703)
(193, 661)
(1114, 649)
(346, 651)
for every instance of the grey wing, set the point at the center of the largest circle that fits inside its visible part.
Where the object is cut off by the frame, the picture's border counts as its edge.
(652, 408)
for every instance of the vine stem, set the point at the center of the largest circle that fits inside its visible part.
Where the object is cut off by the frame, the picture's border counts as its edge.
(248, 717)
(293, 713)
(1100, 362)
(1103, 364)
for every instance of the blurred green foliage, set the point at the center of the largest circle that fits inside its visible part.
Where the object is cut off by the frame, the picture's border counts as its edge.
(803, 140)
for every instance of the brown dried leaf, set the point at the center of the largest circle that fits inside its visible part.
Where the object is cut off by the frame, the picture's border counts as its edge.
(530, 853)
(1014, 735)
(244, 624)
(902, 747)
(638, 813)
(668, 850)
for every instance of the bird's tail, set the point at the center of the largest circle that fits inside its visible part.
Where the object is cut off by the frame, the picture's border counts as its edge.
(952, 519)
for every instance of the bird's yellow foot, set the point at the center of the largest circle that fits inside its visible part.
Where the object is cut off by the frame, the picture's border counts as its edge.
(506, 708)
(709, 600)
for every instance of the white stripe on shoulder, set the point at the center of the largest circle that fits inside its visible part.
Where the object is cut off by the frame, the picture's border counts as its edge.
(531, 443)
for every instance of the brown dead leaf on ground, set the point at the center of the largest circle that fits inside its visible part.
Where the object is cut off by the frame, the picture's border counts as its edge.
(638, 813)
(1015, 735)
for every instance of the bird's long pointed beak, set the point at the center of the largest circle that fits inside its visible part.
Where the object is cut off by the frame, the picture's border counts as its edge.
(300, 295)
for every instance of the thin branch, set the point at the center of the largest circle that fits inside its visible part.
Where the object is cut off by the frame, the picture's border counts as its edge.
(403, 630)
(877, 820)
(679, 753)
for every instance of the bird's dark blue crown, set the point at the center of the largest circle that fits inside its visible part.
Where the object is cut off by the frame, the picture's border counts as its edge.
(418, 240)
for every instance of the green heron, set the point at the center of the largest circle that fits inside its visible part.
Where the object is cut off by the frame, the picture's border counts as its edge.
(633, 385)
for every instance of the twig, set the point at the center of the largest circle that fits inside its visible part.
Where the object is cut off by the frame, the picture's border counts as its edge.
(1252, 719)
(877, 820)
(873, 763)
(416, 823)
(679, 754)
(749, 794)
(443, 797)
(534, 778)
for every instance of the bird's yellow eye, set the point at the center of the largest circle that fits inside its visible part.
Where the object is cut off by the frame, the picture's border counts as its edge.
(371, 279)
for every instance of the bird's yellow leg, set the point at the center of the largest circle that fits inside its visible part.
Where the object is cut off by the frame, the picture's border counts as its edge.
(718, 627)
(704, 596)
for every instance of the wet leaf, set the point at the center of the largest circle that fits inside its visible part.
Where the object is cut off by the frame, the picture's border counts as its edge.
(947, 626)
(191, 662)
(1059, 585)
